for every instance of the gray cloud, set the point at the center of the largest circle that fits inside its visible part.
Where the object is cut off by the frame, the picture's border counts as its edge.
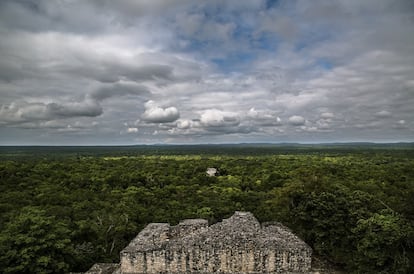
(119, 89)
(89, 109)
(113, 70)
(327, 115)
(23, 112)
(40, 15)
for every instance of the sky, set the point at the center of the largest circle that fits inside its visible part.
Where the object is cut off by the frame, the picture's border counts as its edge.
(103, 72)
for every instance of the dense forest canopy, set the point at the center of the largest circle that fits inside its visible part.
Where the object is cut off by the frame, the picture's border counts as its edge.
(64, 208)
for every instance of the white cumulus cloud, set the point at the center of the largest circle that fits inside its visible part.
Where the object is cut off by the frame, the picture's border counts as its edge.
(155, 114)
(184, 124)
(219, 118)
(296, 120)
(132, 130)
(264, 118)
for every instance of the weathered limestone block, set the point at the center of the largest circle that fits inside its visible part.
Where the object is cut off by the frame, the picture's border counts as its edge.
(239, 244)
(186, 227)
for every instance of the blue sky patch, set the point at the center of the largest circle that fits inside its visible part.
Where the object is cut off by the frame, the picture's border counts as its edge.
(324, 63)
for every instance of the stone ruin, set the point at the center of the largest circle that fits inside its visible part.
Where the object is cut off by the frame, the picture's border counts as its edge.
(239, 244)
(211, 171)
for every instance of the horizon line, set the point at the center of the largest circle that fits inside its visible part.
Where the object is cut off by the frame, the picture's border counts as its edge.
(211, 144)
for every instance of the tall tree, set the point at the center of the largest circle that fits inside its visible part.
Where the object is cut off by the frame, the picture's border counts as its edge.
(34, 242)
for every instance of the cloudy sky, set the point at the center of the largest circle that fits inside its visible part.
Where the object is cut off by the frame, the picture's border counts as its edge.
(207, 71)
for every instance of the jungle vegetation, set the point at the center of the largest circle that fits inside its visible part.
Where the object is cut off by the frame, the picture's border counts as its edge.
(64, 208)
